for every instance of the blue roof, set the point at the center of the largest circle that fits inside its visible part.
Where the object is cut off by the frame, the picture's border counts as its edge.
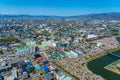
(1, 77)
(29, 63)
(14, 64)
(29, 68)
(45, 68)
(37, 55)
(45, 62)
(37, 67)
(24, 69)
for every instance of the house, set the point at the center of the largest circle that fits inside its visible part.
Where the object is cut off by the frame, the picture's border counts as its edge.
(91, 36)
(48, 76)
(71, 54)
(67, 78)
(59, 74)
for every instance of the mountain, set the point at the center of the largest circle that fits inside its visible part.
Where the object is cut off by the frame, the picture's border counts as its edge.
(100, 16)
(28, 16)
(115, 15)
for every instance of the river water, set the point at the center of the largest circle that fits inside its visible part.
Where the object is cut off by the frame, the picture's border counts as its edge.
(97, 66)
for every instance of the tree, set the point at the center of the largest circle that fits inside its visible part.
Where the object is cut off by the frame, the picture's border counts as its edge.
(8, 39)
(114, 32)
(1, 51)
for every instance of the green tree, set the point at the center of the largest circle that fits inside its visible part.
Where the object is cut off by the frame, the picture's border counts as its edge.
(1, 51)
(114, 32)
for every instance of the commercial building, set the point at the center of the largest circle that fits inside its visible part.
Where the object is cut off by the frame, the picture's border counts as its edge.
(26, 49)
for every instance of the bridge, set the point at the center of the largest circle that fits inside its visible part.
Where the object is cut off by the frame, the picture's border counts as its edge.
(114, 55)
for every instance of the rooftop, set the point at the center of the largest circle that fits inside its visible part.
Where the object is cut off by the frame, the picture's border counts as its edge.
(22, 47)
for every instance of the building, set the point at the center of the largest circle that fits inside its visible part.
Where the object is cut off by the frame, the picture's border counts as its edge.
(26, 49)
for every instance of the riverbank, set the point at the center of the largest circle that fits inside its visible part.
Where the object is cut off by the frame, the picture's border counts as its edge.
(112, 70)
(68, 73)
(101, 55)
(77, 66)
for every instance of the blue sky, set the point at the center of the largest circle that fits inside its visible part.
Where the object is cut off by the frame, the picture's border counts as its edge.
(58, 7)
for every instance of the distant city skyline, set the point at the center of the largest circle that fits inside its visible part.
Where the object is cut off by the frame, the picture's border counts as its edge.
(58, 7)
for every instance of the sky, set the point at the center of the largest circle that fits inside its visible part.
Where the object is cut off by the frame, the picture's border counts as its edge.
(58, 7)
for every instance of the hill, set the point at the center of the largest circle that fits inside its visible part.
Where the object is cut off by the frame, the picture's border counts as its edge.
(91, 16)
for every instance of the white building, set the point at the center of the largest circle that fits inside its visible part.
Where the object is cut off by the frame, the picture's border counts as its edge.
(92, 36)
(26, 49)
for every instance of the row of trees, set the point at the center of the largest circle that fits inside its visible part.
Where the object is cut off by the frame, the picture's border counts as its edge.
(114, 32)
(8, 39)
(44, 33)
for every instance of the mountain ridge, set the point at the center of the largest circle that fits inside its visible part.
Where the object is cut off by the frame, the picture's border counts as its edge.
(111, 15)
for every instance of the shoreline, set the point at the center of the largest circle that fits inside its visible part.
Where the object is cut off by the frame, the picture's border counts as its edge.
(111, 45)
(99, 56)
(112, 70)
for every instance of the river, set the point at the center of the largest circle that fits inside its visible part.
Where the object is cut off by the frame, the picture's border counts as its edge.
(97, 66)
